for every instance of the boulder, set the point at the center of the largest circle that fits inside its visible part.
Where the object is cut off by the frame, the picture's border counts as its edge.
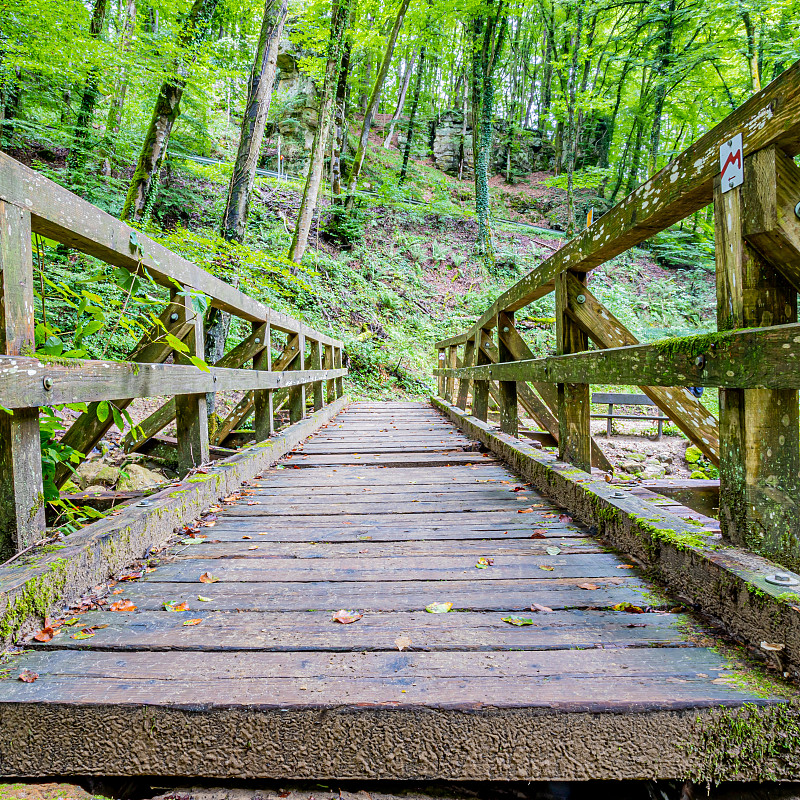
(107, 476)
(135, 478)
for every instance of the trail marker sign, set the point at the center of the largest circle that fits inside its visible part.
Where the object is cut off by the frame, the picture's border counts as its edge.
(731, 163)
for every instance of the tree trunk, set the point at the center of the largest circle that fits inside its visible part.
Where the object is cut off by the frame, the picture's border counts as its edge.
(752, 52)
(11, 103)
(662, 63)
(114, 121)
(572, 128)
(401, 101)
(341, 13)
(363, 140)
(78, 152)
(340, 122)
(412, 117)
(259, 95)
(144, 183)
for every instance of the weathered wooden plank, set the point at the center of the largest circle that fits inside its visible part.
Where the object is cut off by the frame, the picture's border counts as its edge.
(682, 407)
(726, 362)
(276, 636)
(86, 381)
(61, 215)
(22, 519)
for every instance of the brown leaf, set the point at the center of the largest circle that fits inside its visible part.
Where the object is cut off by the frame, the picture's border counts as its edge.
(118, 591)
(122, 605)
(45, 635)
(192, 621)
(207, 577)
(629, 607)
(539, 534)
(525, 510)
(28, 676)
(625, 566)
(539, 607)
(346, 617)
(588, 586)
(403, 642)
(131, 576)
(546, 567)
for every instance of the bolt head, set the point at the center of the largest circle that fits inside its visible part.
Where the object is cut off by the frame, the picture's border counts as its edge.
(797, 211)
(47, 383)
(782, 579)
(580, 299)
(173, 317)
(700, 361)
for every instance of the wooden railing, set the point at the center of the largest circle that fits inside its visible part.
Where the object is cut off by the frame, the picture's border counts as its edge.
(753, 359)
(30, 204)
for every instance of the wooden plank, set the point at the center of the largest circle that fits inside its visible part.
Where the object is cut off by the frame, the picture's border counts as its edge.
(276, 636)
(22, 519)
(759, 440)
(61, 215)
(685, 185)
(574, 406)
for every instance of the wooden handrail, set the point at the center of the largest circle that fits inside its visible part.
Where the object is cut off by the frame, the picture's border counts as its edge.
(31, 203)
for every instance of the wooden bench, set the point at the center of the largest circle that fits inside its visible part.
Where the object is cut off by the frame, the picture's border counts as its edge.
(626, 400)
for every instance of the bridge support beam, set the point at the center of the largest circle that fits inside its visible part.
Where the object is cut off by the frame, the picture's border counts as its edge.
(263, 413)
(507, 399)
(297, 394)
(22, 519)
(759, 442)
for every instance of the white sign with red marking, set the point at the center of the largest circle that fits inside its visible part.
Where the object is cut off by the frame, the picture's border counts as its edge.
(731, 163)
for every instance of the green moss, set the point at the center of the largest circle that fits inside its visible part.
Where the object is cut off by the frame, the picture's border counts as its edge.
(691, 345)
(178, 493)
(198, 479)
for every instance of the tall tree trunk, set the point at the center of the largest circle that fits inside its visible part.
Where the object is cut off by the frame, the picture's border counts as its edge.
(114, 121)
(259, 95)
(12, 98)
(401, 101)
(144, 183)
(547, 84)
(663, 60)
(340, 121)
(339, 18)
(363, 139)
(752, 51)
(78, 152)
(412, 117)
(572, 127)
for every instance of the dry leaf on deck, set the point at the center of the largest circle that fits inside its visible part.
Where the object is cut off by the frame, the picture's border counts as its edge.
(192, 621)
(122, 605)
(45, 635)
(588, 586)
(438, 608)
(28, 676)
(403, 642)
(539, 607)
(207, 577)
(346, 617)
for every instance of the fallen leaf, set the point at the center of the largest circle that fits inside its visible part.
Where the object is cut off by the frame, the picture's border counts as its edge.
(546, 567)
(589, 586)
(636, 625)
(525, 510)
(192, 621)
(131, 576)
(73, 621)
(629, 607)
(28, 676)
(122, 605)
(539, 534)
(84, 634)
(118, 591)
(438, 608)
(194, 540)
(207, 577)
(518, 621)
(203, 599)
(539, 607)
(564, 518)
(346, 617)
(773, 647)
(247, 537)
(174, 605)
(625, 566)
(253, 547)
(484, 562)
(553, 551)
(403, 642)
(45, 635)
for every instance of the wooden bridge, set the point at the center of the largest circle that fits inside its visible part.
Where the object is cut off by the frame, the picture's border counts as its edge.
(415, 591)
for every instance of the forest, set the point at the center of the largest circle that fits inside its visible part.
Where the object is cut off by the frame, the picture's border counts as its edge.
(389, 166)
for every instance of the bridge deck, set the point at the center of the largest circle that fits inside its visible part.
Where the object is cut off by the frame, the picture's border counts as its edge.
(385, 511)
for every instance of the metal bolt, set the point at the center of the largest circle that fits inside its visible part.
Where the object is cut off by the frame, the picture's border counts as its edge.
(797, 211)
(700, 361)
(505, 329)
(618, 494)
(173, 317)
(47, 383)
(782, 579)
(580, 299)
(258, 341)
(143, 503)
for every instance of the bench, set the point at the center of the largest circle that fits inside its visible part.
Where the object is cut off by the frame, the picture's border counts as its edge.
(612, 400)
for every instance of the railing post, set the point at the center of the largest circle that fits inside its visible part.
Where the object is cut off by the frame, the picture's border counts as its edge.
(759, 447)
(480, 389)
(22, 519)
(297, 394)
(327, 363)
(263, 415)
(337, 364)
(463, 384)
(441, 363)
(452, 363)
(574, 408)
(509, 408)
(315, 362)
(191, 410)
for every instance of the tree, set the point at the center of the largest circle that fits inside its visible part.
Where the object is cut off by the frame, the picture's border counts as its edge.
(363, 139)
(259, 95)
(401, 101)
(141, 191)
(339, 18)
(412, 117)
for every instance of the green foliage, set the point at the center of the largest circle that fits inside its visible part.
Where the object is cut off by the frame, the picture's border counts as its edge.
(345, 228)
